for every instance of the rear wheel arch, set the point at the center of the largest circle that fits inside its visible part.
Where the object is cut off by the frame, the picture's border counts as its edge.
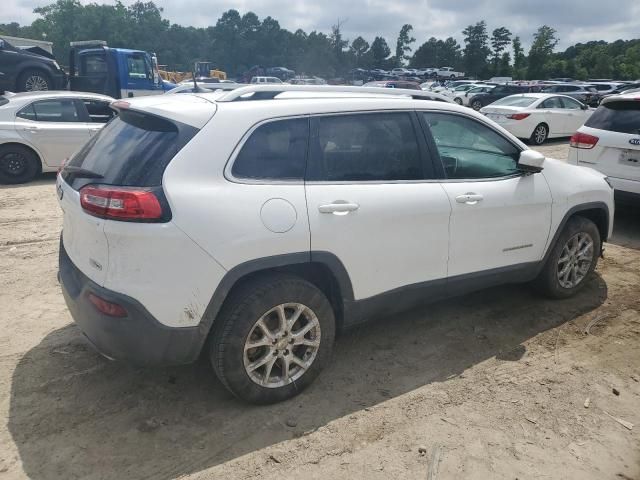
(322, 269)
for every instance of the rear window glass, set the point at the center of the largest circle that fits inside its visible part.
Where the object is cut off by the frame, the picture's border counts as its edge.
(515, 101)
(275, 151)
(621, 116)
(132, 150)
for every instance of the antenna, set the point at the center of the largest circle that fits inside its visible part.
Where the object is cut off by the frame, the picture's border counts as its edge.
(196, 87)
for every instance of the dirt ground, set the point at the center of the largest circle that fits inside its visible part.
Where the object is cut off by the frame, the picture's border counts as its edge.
(500, 384)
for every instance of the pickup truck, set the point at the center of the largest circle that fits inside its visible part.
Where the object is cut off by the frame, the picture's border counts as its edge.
(447, 72)
(24, 71)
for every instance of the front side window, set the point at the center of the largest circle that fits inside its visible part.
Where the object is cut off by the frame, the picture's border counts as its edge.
(469, 149)
(274, 151)
(63, 110)
(137, 66)
(365, 147)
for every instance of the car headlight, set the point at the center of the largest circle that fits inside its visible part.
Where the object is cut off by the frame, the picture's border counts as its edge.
(606, 179)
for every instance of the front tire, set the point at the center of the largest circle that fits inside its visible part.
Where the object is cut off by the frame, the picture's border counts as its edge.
(540, 134)
(18, 164)
(572, 260)
(34, 80)
(272, 338)
(476, 105)
(458, 101)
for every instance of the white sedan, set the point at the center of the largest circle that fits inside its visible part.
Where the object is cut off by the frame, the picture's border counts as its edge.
(538, 116)
(40, 130)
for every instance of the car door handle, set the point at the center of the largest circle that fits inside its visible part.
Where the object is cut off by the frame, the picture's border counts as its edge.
(32, 129)
(338, 207)
(469, 198)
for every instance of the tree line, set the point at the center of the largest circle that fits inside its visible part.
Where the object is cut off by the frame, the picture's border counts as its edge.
(237, 42)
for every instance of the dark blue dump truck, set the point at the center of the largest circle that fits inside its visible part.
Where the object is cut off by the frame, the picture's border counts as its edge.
(117, 72)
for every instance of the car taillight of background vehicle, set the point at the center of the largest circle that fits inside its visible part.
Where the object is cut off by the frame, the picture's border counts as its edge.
(583, 140)
(121, 203)
(518, 116)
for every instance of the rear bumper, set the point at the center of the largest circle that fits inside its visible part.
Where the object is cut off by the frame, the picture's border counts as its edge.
(137, 338)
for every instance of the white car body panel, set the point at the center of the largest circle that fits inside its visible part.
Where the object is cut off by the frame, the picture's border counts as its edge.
(367, 240)
(571, 187)
(509, 226)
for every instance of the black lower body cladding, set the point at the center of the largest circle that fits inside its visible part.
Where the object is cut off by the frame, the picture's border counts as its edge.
(138, 338)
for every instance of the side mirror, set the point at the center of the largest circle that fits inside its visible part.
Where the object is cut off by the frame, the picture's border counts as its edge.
(584, 107)
(531, 161)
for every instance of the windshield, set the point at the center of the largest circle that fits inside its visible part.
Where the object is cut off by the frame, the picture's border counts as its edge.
(515, 101)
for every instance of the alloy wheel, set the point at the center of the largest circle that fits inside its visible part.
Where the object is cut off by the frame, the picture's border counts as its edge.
(575, 260)
(36, 83)
(282, 345)
(540, 134)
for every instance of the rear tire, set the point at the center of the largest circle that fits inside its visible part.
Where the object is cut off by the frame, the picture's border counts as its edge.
(540, 134)
(476, 105)
(572, 259)
(272, 312)
(34, 80)
(18, 164)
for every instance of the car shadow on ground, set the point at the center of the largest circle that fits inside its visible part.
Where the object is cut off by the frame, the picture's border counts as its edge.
(42, 179)
(75, 415)
(626, 226)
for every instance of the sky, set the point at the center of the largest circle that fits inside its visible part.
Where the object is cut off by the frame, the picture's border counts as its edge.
(575, 20)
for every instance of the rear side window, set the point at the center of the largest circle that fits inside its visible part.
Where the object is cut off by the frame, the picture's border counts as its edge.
(132, 150)
(274, 151)
(621, 116)
(63, 110)
(365, 147)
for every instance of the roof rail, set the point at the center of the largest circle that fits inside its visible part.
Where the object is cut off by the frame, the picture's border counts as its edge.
(269, 92)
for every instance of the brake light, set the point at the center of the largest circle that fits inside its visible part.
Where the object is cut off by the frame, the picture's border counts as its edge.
(108, 308)
(518, 116)
(583, 140)
(120, 203)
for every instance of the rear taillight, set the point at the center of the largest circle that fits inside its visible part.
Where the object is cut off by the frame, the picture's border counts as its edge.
(121, 203)
(108, 308)
(518, 116)
(583, 140)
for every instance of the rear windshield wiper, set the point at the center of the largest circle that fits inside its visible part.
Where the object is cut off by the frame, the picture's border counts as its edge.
(81, 172)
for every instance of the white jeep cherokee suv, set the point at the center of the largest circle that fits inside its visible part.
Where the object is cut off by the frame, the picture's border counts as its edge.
(255, 224)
